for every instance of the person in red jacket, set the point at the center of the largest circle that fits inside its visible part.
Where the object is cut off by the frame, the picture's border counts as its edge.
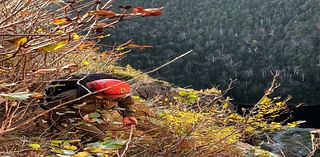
(95, 93)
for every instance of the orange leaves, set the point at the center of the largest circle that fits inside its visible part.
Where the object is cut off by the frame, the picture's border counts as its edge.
(24, 13)
(130, 45)
(148, 12)
(63, 20)
(36, 95)
(136, 11)
(105, 13)
(111, 14)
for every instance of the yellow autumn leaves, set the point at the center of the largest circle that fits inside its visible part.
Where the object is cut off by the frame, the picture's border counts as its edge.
(59, 44)
(182, 121)
(200, 127)
(21, 41)
(18, 41)
(54, 46)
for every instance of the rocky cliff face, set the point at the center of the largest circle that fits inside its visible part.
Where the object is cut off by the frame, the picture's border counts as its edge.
(293, 142)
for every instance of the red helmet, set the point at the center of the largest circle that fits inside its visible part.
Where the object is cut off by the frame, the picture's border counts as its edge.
(110, 88)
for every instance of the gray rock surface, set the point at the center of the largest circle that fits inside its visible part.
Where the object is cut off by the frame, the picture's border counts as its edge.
(293, 142)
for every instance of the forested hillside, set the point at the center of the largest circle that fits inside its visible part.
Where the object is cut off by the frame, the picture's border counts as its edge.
(237, 39)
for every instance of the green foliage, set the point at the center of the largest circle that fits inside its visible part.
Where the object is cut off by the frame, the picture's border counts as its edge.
(107, 145)
(34, 146)
(102, 148)
(187, 96)
(64, 147)
(94, 115)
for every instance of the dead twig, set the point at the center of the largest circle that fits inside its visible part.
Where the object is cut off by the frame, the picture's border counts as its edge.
(171, 61)
(129, 140)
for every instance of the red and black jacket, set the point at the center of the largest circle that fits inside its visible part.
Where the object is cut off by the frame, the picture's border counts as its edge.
(75, 86)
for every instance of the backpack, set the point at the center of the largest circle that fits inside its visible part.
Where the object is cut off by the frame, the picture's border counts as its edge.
(73, 86)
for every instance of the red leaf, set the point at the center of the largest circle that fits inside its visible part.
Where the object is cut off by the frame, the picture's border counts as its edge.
(138, 10)
(148, 12)
(105, 13)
